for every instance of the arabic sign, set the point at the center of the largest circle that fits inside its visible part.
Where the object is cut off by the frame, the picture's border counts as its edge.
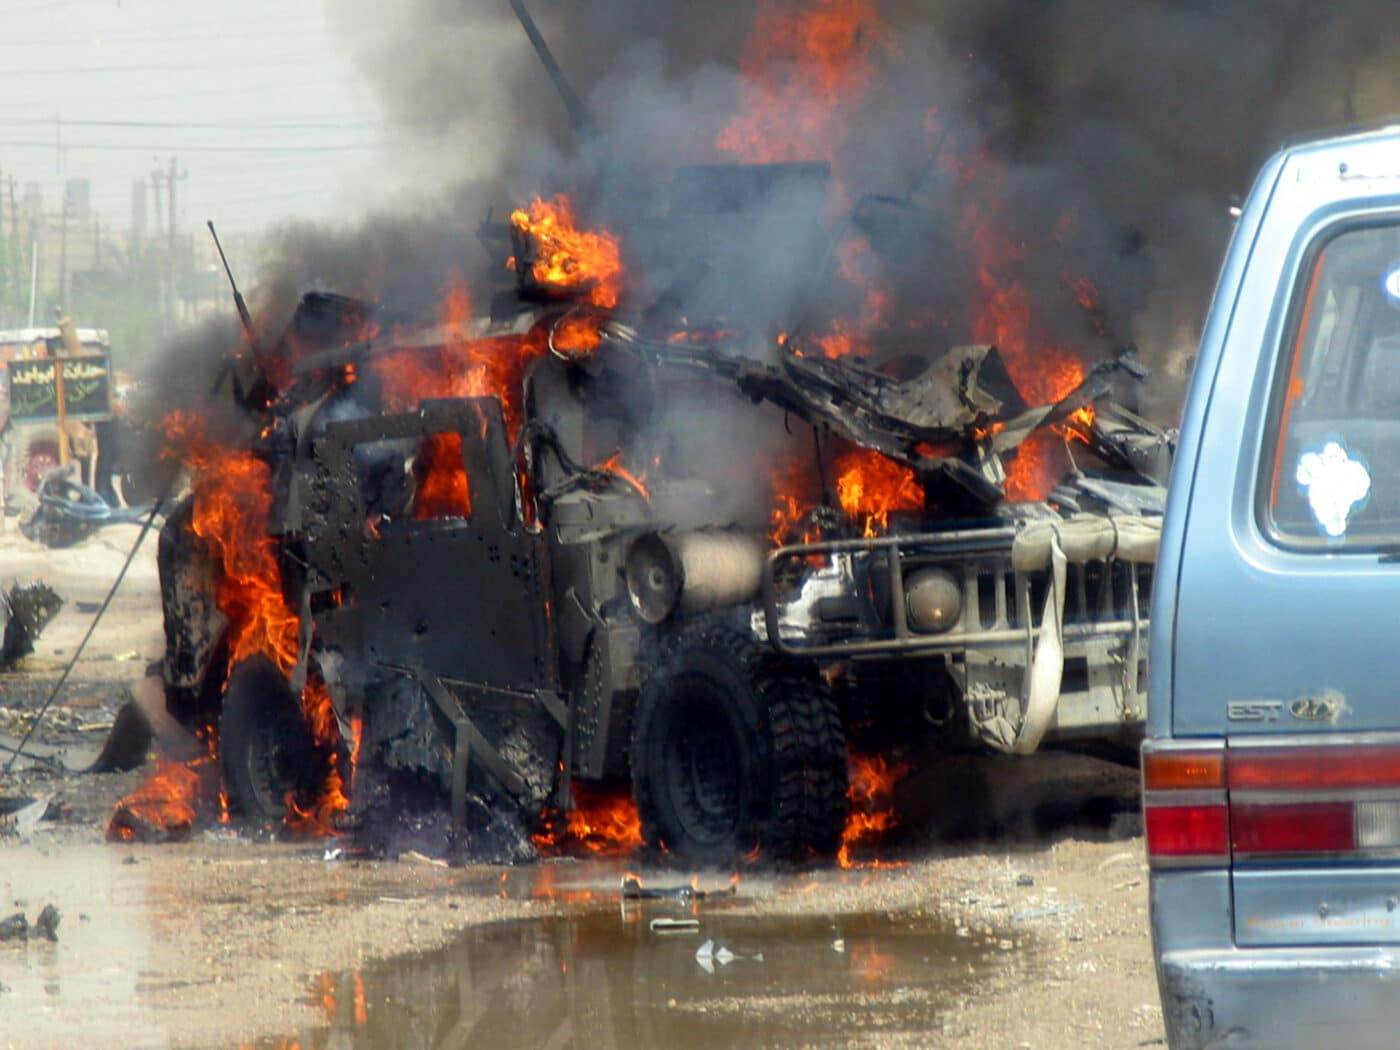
(87, 389)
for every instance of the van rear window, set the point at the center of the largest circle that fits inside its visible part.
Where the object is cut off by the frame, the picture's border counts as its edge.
(1334, 476)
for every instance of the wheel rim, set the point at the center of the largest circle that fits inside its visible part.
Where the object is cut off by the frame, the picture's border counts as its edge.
(702, 768)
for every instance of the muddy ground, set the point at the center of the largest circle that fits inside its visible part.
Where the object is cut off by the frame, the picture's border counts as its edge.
(1011, 912)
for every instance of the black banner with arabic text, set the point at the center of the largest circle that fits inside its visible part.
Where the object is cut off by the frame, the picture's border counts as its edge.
(87, 388)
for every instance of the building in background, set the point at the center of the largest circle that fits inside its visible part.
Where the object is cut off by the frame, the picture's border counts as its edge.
(132, 275)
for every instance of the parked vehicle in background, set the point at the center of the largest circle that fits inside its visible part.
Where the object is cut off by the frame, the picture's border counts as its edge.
(1272, 765)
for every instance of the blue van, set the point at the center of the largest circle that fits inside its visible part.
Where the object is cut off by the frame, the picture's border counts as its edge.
(1271, 771)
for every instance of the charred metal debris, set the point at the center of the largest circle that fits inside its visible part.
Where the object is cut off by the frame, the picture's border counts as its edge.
(25, 610)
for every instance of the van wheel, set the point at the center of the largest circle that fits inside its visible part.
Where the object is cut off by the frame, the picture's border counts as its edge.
(266, 750)
(737, 754)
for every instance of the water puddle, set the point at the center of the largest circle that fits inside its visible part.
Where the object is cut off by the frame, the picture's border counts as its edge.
(608, 979)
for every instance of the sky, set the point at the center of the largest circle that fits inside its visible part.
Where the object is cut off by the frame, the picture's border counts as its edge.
(257, 100)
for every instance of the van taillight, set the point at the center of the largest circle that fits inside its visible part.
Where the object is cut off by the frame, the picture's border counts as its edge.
(1311, 767)
(1199, 832)
(1185, 817)
(1304, 827)
(1300, 799)
(1268, 800)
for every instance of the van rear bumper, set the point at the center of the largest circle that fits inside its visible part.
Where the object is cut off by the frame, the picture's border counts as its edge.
(1281, 997)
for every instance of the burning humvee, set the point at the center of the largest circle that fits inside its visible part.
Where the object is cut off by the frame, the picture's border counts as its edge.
(478, 555)
(630, 527)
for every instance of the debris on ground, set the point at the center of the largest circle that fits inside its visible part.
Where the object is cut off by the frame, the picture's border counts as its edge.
(707, 955)
(46, 925)
(126, 744)
(18, 928)
(25, 610)
(69, 511)
(674, 925)
(710, 953)
(161, 810)
(633, 890)
(19, 817)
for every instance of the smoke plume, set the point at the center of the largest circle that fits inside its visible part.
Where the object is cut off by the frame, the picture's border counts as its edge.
(1062, 146)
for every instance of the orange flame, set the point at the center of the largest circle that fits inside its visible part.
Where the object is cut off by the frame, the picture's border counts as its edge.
(870, 485)
(323, 994)
(700, 335)
(317, 816)
(1038, 462)
(870, 793)
(232, 502)
(1080, 421)
(441, 475)
(168, 800)
(602, 822)
(577, 333)
(1087, 296)
(613, 465)
(806, 73)
(859, 267)
(841, 341)
(361, 1012)
(567, 258)
(1041, 459)
(870, 964)
(794, 493)
(465, 365)
(232, 492)
(1043, 373)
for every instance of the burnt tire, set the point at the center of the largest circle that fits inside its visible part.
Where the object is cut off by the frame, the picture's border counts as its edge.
(736, 754)
(266, 750)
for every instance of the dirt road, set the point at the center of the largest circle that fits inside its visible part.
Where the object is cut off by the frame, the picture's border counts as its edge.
(1018, 921)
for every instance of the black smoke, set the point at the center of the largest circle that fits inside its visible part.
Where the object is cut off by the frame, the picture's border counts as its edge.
(1108, 140)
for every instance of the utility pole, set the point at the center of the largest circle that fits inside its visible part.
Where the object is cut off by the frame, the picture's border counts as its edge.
(9, 258)
(35, 222)
(157, 179)
(62, 303)
(171, 179)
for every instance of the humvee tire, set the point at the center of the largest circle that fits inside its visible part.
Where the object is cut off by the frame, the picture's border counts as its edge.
(266, 749)
(737, 754)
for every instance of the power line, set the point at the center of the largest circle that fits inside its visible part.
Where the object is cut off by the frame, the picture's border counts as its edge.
(166, 147)
(289, 125)
(274, 62)
(280, 31)
(252, 88)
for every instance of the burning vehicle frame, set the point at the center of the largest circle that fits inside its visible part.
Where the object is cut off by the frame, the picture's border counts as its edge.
(584, 625)
(475, 593)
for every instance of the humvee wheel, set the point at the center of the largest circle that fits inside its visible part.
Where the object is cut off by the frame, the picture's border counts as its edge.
(737, 753)
(266, 750)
